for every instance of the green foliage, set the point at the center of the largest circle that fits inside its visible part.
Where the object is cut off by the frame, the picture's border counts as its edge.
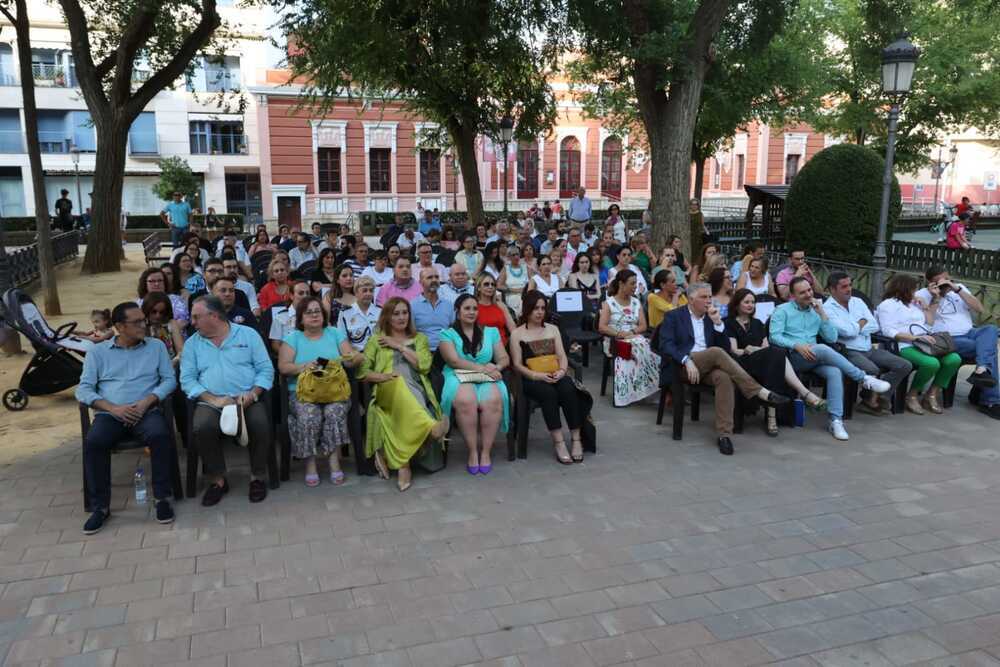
(463, 64)
(176, 176)
(956, 84)
(832, 209)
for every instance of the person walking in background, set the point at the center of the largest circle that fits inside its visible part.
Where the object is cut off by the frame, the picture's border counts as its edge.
(64, 211)
(580, 209)
(177, 216)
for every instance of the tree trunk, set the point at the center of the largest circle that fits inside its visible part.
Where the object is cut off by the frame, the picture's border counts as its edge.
(699, 177)
(46, 258)
(104, 252)
(670, 146)
(464, 140)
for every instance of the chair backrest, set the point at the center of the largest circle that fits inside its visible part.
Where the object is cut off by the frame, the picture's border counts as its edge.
(260, 261)
(569, 304)
(305, 268)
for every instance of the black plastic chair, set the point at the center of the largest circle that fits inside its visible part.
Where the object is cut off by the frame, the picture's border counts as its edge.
(577, 324)
(131, 444)
(355, 426)
(305, 270)
(192, 451)
(522, 411)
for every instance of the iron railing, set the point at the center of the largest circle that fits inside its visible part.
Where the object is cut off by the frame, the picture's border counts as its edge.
(20, 267)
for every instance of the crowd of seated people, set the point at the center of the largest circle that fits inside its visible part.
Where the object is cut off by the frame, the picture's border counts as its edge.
(437, 331)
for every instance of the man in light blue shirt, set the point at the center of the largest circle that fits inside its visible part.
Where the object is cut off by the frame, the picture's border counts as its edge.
(855, 325)
(431, 313)
(796, 325)
(125, 379)
(226, 364)
(177, 215)
(580, 209)
(428, 223)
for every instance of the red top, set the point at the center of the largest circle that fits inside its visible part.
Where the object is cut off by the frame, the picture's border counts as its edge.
(492, 316)
(268, 295)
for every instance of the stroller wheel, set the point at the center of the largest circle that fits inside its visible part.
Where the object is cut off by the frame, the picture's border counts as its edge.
(15, 400)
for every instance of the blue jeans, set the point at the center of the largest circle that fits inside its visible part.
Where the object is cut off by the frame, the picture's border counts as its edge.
(832, 367)
(177, 235)
(106, 432)
(981, 343)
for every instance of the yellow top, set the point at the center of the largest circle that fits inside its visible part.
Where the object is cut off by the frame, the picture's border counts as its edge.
(658, 307)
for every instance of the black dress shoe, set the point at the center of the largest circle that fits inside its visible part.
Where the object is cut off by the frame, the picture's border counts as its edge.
(983, 380)
(214, 493)
(776, 399)
(725, 446)
(258, 490)
(991, 410)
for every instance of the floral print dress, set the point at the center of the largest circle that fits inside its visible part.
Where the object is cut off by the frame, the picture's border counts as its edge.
(638, 377)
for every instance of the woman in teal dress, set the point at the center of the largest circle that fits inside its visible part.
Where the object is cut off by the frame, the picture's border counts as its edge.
(474, 357)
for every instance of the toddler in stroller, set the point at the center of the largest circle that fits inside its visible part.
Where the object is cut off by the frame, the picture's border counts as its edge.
(58, 359)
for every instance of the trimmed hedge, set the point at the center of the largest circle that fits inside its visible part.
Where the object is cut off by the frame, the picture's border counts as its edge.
(235, 220)
(832, 208)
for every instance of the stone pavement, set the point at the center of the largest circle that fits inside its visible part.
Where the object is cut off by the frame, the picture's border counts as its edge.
(796, 551)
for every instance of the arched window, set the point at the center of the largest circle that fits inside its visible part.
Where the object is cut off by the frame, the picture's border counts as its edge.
(527, 170)
(611, 168)
(569, 167)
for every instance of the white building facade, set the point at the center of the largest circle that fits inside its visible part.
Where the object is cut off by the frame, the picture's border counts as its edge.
(219, 142)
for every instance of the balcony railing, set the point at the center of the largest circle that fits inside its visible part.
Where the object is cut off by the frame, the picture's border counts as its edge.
(53, 141)
(49, 74)
(220, 144)
(11, 141)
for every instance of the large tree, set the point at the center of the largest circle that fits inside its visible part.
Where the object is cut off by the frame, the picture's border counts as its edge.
(659, 52)
(16, 12)
(108, 38)
(462, 64)
(956, 84)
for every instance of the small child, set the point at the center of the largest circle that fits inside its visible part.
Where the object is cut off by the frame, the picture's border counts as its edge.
(101, 321)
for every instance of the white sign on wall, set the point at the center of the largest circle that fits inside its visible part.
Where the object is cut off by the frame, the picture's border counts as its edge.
(990, 180)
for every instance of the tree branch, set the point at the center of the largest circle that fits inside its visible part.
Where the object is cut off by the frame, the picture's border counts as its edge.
(135, 35)
(86, 73)
(209, 22)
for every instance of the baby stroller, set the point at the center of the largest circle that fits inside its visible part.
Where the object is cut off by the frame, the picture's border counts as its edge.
(58, 360)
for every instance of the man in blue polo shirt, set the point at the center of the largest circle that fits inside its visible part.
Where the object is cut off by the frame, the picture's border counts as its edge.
(226, 364)
(177, 216)
(124, 380)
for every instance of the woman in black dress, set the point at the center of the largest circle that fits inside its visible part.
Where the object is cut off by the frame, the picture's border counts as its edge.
(768, 365)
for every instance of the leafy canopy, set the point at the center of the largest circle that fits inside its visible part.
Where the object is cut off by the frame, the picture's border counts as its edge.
(175, 176)
(956, 83)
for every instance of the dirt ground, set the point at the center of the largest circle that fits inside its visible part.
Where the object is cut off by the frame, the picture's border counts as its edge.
(50, 421)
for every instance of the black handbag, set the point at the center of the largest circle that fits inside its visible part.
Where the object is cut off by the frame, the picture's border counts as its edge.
(943, 342)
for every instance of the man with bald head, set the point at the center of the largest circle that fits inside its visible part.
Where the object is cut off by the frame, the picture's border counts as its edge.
(431, 313)
(458, 283)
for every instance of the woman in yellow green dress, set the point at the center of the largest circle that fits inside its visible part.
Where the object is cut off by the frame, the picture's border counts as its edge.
(404, 414)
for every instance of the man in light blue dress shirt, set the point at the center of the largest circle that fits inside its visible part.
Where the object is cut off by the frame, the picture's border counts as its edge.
(855, 325)
(798, 325)
(125, 379)
(580, 209)
(226, 364)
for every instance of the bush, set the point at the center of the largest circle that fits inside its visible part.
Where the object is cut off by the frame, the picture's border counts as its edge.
(234, 220)
(832, 208)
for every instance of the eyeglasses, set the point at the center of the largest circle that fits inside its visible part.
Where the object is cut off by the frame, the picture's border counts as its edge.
(487, 285)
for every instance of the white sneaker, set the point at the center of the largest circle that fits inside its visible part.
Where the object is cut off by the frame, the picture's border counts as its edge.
(837, 429)
(872, 383)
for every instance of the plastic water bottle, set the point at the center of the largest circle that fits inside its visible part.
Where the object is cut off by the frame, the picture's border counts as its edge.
(140, 485)
(800, 412)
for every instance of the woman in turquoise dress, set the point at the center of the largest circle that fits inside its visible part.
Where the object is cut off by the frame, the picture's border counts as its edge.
(474, 357)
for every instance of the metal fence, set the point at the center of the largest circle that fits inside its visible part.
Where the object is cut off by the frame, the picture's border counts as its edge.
(20, 267)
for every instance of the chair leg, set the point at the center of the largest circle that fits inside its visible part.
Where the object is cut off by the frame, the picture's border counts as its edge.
(679, 398)
(192, 469)
(523, 420)
(662, 405)
(949, 392)
(850, 397)
(586, 355)
(175, 474)
(739, 410)
(899, 397)
(286, 456)
(695, 406)
(273, 474)
(605, 372)
(86, 490)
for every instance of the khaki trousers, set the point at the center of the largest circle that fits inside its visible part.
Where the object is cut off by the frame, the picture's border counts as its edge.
(721, 371)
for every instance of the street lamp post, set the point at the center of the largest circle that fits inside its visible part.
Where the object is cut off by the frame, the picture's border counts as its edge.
(938, 170)
(74, 153)
(506, 132)
(899, 59)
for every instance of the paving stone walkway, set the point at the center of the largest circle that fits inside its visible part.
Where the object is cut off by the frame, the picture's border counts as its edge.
(796, 551)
